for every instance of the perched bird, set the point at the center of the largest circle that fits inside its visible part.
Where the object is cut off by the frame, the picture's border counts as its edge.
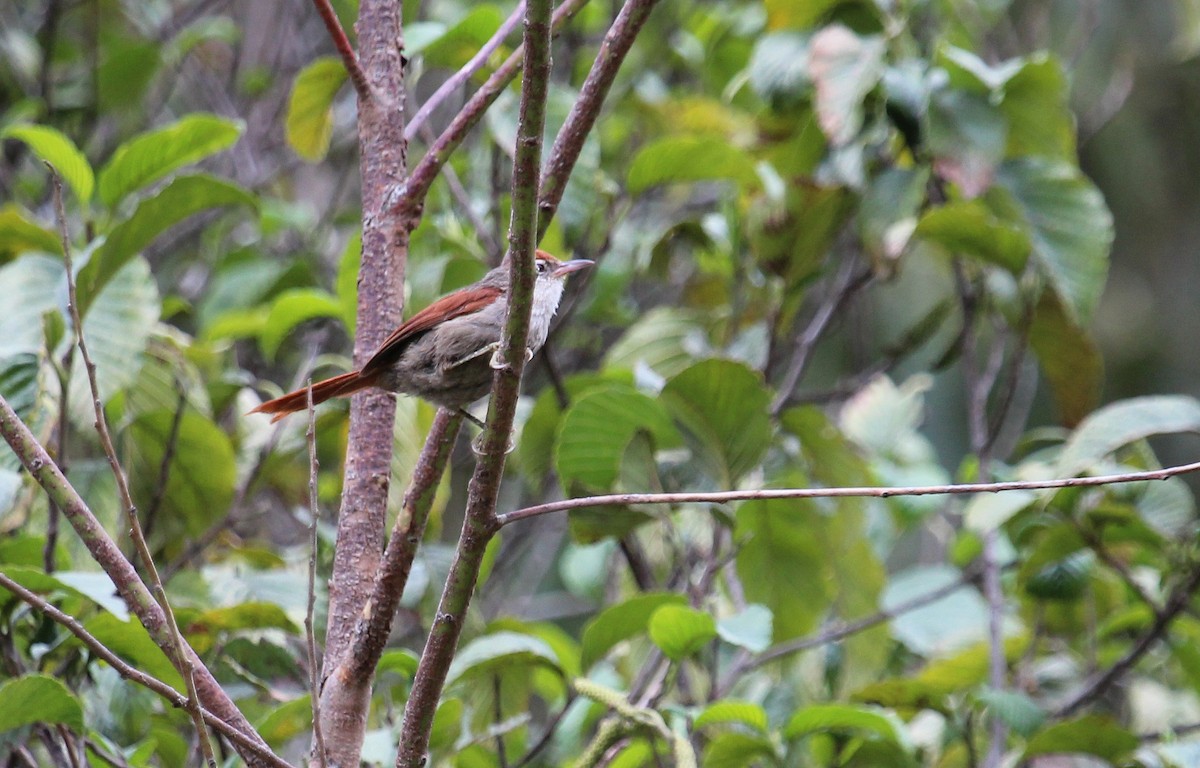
(444, 353)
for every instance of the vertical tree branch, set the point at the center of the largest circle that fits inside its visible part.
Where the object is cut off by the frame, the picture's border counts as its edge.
(310, 635)
(480, 522)
(382, 167)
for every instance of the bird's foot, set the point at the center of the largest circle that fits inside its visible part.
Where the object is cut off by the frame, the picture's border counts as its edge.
(493, 348)
(498, 360)
(477, 444)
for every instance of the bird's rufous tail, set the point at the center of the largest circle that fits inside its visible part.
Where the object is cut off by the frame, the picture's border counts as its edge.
(338, 386)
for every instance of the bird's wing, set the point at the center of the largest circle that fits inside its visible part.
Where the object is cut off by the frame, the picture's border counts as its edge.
(454, 305)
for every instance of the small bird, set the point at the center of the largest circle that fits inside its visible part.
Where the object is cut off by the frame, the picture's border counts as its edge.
(446, 352)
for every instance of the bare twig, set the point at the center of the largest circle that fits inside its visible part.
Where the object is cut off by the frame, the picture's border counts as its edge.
(314, 513)
(344, 49)
(456, 81)
(168, 458)
(135, 675)
(887, 492)
(844, 285)
(180, 657)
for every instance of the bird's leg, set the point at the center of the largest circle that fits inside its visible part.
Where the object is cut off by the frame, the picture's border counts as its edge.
(494, 348)
(471, 418)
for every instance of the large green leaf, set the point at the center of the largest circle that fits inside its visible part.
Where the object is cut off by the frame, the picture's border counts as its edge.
(1016, 709)
(130, 640)
(953, 621)
(1069, 356)
(966, 134)
(497, 650)
(723, 406)
(969, 228)
(33, 283)
(681, 631)
(889, 208)
(844, 69)
(1122, 423)
(19, 233)
(620, 622)
(1069, 225)
(38, 699)
(779, 67)
(150, 156)
(117, 328)
(291, 308)
(735, 749)
(783, 564)
(53, 147)
(750, 629)
(597, 428)
(1097, 735)
(727, 711)
(183, 197)
(309, 123)
(689, 158)
(463, 40)
(665, 339)
(202, 471)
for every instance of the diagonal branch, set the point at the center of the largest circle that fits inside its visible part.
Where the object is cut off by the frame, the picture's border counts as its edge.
(480, 524)
(135, 675)
(408, 199)
(344, 49)
(885, 492)
(586, 110)
(455, 81)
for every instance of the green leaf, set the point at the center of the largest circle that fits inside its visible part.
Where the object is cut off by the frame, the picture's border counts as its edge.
(957, 619)
(751, 629)
(969, 228)
(19, 382)
(53, 147)
(38, 699)
(726, 711)
(347, 281)
(660, 340)
(736, 750)
(844, 69)
(463, 40)
(202, 472)
(779, 68)
(1097, 735)
(967, 135)
(1070, 228)
(967, 668)
(689, 158)
(290, 309)
(723, 406)
(596, 429)
(309, 123)
(1016, 709)
(183, 197)
(129, 640)
(499, 650)
(888, 211)
(19, 233)
(681, 631)
(1122, 423)
(1037, 106)
(148, 157)
(621, 622)
(403, 663)
(1070, 359)
(118, 327)
(788, 14)
(33, 282)
(988, 511)
(782, 557)
(869, 721)
(1065, 580)
(287, 721)
(235, 618)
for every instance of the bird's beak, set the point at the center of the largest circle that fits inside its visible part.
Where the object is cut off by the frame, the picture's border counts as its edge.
(574, 265)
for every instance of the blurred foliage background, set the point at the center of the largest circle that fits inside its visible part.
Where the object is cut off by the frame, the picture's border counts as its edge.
(816, 221)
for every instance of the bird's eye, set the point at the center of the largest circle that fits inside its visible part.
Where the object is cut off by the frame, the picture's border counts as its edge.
(541, 267)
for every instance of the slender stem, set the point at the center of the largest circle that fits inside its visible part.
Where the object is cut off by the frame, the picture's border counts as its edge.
(135, 675)
(344, 49)
(480, 524)
(179, 656)
(885, 492)
(586, 110)
(456, 81)
(168, 458)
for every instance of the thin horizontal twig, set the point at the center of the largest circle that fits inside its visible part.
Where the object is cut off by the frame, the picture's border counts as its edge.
(885, 492)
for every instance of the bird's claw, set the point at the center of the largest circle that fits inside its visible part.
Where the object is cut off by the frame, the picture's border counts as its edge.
(498, 362)
(477, 444)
